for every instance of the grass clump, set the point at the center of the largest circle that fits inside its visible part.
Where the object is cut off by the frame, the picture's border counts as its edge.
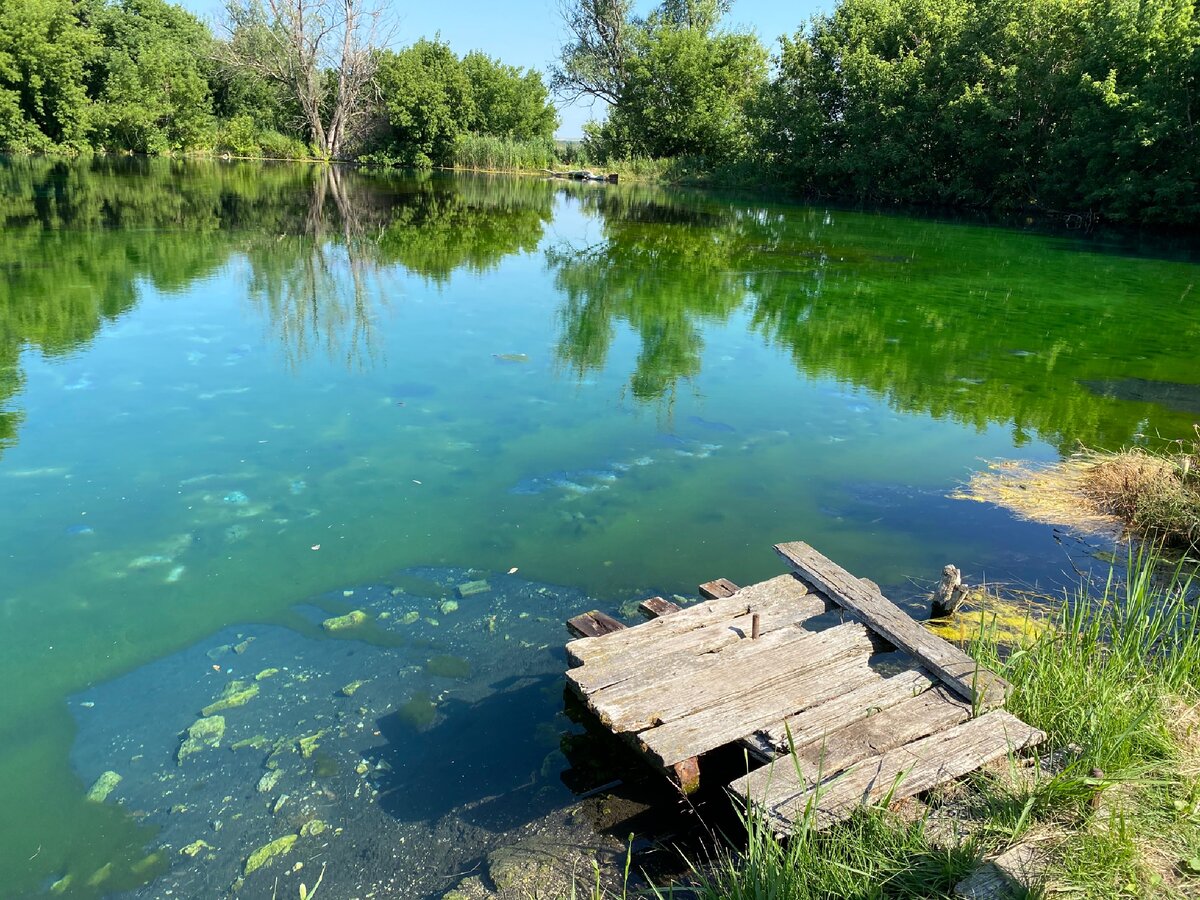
(1115, 684)
(873, 854)
(1153, 495)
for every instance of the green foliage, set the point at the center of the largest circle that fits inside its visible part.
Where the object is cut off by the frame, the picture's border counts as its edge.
(675, 84)
(154, 95)
(873, 855)
(1079, 106)
(687, 92)
(474, 112)
(508, 102)
(428, 104)
(45, 55)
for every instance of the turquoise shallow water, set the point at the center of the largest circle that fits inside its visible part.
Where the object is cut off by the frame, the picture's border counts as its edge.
(226, 390)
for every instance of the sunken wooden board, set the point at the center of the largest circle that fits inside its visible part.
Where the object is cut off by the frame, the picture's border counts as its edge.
(594, 624)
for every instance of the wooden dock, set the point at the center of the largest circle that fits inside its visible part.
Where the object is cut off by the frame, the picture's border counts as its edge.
(845, 698)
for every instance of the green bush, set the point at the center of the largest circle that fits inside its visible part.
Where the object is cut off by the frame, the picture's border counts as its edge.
(239, 136)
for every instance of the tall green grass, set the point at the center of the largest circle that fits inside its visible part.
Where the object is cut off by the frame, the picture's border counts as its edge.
(482, 152)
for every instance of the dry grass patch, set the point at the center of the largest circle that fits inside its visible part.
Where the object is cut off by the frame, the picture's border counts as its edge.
(1153, 496)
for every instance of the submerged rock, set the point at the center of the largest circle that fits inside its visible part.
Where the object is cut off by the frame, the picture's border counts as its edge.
(351, 619)
(470, 588)
(448, 606)
(266, 673)
(267, 783)
(266, 853)
(258, 742)
(204, 733)
(348, 690)
(236, 693)
(104, 786)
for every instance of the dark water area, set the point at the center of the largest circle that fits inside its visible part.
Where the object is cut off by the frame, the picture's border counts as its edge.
(230, 393)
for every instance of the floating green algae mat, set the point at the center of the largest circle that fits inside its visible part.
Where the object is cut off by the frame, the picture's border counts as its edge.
(418, 711)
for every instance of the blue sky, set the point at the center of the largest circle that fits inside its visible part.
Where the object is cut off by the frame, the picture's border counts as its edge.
(528, 33)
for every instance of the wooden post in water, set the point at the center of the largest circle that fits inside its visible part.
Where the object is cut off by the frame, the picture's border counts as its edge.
(950, 593)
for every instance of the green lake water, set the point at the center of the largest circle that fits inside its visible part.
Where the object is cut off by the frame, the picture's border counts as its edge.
(229, 389)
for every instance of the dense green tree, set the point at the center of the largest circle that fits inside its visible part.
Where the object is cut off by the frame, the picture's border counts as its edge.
(507, 101)
(675, 83)
(152, 78)
(45, 51)
(688, 90)
(427, 101)
(1089, 105)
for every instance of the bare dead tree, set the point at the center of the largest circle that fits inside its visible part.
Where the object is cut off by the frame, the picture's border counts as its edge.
(321, 52)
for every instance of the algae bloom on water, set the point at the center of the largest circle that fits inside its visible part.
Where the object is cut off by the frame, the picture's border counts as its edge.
(266, 853)
(236, 693)
(352, 619)
(103, 786)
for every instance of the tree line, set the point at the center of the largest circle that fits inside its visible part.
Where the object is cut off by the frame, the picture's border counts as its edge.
(1082, 106)
(1087, 107)
(286, 79)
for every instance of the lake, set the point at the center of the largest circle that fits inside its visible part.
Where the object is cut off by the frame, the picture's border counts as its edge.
(240, 400)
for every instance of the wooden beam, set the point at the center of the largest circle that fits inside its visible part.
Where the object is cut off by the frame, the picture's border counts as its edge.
(783, 589)
(594, 624)
(743, 670)
(687, 775)
(736, 715)
(822, 722)
(673, 650)
(894, 775)
(720, 587)
(656, 607)
(952, 665)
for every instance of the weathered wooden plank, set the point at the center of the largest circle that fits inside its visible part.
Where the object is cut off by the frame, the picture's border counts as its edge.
(656, 607)
(732, 717)
(594, 623)
(822, 757)
(945, 660)
(822, 722)
(720, 587)
(691, 649)
(900, 773)
(781, 588)
(777, 592)
(748, 667)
